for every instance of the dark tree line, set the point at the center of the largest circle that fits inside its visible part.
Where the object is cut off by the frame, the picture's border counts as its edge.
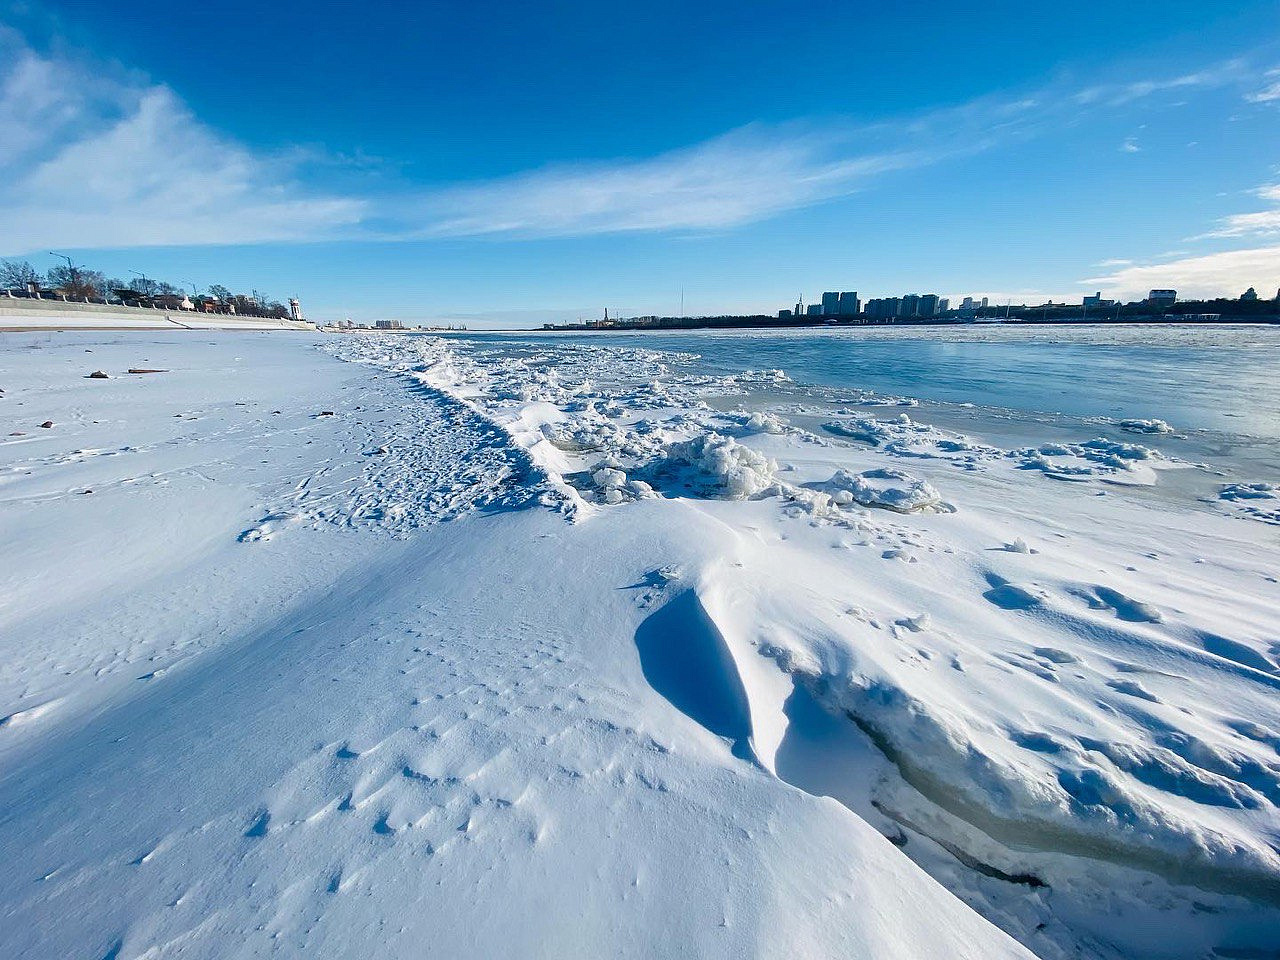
(81, 283)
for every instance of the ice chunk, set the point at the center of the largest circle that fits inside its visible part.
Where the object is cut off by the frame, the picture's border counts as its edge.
(1146, 426)
(885, 487)
(725, 465)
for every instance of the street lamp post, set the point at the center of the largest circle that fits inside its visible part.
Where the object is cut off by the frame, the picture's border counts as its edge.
(71, 268)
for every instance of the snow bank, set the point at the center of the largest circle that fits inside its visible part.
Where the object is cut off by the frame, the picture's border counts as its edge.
(1090, 714)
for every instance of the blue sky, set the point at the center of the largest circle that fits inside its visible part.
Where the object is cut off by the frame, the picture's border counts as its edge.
(521, 162)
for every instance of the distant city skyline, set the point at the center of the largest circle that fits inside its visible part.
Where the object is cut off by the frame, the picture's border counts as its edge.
(647, 157)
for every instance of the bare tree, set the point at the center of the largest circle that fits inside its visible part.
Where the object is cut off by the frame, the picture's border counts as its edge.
(77, 282)
(145, 286)
(220, 292)
(17, 274)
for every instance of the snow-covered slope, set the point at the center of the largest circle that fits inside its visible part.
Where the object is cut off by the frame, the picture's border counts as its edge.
(260, 701)
(458, 651)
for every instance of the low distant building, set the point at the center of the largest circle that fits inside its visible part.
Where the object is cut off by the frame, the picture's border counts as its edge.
(1250, 294)
(785, 314)
(813, 310)
(1162, 298)
(388, 325)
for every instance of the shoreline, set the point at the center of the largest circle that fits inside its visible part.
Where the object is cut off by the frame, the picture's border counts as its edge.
(908, 324)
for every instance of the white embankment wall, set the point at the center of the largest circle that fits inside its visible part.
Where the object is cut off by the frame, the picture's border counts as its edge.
(21, 313)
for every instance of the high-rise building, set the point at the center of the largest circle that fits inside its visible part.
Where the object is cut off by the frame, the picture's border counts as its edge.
(927, 305)
(813, 310)
(784, 314)
(944, 305)
(1165, 298)
(984, 303)
(883, 307)
(830, 304)
(909, 305)
(850, 305)
(1250, 294)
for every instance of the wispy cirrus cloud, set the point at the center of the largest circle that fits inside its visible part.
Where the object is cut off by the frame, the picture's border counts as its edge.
(101, 158)
(1269, 92)
(1118, 94)
(741, 177)
(95, 159)
(1259, 223)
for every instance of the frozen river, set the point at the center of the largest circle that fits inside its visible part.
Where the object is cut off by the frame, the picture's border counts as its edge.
(1216, 386)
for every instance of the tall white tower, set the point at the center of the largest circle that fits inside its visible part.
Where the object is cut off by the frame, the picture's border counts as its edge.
(295, 309)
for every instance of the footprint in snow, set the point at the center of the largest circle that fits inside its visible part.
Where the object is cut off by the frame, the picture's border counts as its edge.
(20, 717)
(1126, 608)
(260, 825)
(266, 528)
(1133, 689)
(1009, 596)
(1055, 655)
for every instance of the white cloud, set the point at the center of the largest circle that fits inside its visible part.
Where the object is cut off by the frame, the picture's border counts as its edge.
(1228, 273)
(1267, 94)
(1118, 94)
(96, 158)
(99, 161)
(1261, 223)
(1130, 146)
(1270, 92)
(741, 177)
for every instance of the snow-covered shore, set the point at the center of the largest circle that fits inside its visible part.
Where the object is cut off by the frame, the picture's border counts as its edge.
(397, 647)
